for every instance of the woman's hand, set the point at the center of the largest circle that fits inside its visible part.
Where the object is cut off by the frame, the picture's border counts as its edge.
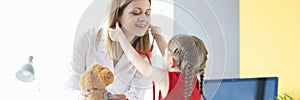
(116, 34)
(117, 97)
(82, 96)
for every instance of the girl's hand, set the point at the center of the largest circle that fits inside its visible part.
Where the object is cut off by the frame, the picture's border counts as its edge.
(116, 34)
(160, 40)
(154, 30)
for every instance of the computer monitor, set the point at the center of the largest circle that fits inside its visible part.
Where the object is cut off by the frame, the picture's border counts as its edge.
(263, 88)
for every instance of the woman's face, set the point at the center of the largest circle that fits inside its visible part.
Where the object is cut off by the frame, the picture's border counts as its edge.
(136, 18)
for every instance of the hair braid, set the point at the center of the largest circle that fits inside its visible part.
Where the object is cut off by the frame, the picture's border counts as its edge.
(184, 64)
(201, 83)
(188, 82)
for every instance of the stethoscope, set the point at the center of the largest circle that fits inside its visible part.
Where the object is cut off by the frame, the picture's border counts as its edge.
(147, 54)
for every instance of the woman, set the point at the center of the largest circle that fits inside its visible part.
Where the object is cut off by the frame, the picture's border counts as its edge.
(134, 20)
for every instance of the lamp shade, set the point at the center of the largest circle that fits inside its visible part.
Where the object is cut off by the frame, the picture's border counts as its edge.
(26, 72)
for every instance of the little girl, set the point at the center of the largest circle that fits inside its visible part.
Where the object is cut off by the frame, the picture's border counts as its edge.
(185, 57)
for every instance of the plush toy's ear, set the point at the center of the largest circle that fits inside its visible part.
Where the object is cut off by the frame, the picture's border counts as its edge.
(107, 76)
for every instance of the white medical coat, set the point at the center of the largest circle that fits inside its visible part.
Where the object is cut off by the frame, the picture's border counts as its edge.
(127, 80)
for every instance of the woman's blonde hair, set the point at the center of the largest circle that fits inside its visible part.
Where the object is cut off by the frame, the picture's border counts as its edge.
(191, 55)
(115, 10)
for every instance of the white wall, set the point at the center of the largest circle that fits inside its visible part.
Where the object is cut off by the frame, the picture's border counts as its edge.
(44, 29)
(216, 22)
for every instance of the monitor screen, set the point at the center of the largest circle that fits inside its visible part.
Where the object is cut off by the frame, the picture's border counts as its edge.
(264, 88)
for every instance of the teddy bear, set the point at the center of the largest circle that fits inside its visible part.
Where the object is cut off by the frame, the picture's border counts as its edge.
(94, 81)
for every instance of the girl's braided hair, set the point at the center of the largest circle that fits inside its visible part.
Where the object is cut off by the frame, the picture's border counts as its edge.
(191, 55)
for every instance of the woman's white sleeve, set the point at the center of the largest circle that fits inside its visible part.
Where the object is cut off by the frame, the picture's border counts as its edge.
(77, 67)
(131, 94)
